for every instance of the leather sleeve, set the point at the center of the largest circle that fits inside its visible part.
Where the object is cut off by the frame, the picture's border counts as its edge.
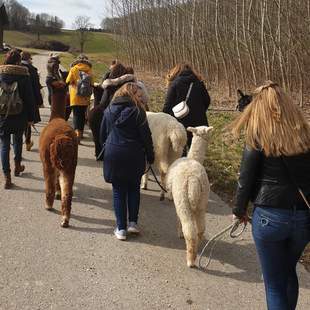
(249, 170)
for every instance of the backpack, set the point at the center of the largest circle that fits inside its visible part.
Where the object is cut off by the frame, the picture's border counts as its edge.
(10, 101)
(84, 88)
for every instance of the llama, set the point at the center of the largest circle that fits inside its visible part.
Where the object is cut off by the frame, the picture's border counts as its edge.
(188, 184)
(169, 139)
(58, 147)
(243, 101)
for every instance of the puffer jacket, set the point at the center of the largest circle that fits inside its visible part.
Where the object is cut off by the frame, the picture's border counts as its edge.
(270, 181)
(16, 123)
(127, 141)
(72, 80)
(110, 86)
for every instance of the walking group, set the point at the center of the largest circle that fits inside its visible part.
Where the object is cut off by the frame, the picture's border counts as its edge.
(274, 169)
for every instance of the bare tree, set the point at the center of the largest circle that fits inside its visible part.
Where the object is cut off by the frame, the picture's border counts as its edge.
(82, 25)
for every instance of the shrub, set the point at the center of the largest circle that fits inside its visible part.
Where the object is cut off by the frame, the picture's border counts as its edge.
(52, 45)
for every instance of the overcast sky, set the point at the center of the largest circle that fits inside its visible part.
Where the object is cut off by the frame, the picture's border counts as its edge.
(68, 10)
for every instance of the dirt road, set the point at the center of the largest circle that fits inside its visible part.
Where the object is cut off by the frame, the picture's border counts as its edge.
(44, 266)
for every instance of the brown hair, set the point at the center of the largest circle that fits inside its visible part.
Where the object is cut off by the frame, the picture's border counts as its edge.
(130, 70)
(26, 56)
(273, 123)
(12, 57)
(131, 90)
(117, 70)
(178, 69)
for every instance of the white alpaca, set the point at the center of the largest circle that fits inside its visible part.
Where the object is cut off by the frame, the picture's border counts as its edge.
(169, 139)
(188, 184)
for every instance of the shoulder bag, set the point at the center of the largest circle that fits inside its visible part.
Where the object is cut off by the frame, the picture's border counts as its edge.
(182, 109)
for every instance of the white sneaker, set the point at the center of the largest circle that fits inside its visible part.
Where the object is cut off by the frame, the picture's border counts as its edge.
(120, 234)
(133, 228)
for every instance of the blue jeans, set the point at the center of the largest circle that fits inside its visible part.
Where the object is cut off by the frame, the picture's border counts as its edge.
(5, 150)
(280, 237)
(126, 195)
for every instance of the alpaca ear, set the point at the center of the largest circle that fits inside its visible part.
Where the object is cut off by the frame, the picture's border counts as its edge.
(191, 129)
(209, 128)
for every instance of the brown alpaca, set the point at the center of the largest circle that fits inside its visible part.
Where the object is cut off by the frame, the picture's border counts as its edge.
(59, 151)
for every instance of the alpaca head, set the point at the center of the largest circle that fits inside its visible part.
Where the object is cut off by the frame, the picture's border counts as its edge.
(59, 93)
(200, 131)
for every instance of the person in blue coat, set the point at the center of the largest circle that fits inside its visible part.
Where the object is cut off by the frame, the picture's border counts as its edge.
(127, 142)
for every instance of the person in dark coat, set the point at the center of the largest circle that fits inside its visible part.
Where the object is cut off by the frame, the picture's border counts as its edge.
(11, 72)
(179, 79)
(118, 76)
(36, 90)
(275, 177)
(128, 145)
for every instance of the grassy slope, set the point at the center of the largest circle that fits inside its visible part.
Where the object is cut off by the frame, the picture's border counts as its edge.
(100, 47)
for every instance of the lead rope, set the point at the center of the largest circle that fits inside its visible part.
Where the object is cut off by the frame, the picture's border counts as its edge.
(155, 177)
(232, 228)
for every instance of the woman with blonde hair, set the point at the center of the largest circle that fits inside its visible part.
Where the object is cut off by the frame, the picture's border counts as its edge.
(275, 177)
(179, 80)
(127, 141)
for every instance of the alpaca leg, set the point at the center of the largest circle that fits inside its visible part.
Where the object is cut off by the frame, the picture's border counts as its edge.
(66, 185)
(189, 229)
(163, 184)
(145, 178)
(201, 223)
(58, 190)
(179, 229)
(50, 180)
(191, 250)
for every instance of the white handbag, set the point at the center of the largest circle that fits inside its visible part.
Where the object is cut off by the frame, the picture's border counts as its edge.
(181, 109)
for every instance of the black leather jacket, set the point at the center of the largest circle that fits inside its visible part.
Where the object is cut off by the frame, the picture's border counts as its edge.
(266, 181)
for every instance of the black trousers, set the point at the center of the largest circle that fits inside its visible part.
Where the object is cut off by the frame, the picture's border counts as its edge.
(79, 117)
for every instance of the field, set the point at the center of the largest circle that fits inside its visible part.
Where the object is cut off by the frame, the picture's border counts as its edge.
(100, 48)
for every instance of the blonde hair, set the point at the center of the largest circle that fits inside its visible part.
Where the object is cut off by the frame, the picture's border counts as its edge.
(131, 90)
(178, 69)
(273, 123)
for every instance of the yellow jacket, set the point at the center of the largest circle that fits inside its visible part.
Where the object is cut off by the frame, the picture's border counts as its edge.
(72, 79)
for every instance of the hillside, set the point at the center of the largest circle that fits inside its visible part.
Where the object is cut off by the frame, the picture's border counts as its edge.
(98, 43)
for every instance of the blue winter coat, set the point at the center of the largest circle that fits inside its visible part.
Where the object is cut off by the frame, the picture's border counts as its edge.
(127, 141)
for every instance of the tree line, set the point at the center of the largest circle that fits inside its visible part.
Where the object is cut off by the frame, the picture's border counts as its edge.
(20, 18)
(233, 43)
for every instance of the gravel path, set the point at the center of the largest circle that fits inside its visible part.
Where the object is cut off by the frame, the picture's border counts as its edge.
(43, 266)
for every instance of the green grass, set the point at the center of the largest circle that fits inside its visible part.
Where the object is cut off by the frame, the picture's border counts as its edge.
(223, 157)
(98, 42)
(101, 48)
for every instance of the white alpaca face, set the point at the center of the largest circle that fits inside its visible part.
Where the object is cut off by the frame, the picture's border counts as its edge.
(201, 131)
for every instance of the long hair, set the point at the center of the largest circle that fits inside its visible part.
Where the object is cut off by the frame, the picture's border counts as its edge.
(178, 69)
(131, 90)
(273, 123)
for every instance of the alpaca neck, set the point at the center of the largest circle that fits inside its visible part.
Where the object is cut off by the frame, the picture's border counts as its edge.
(197, 150)
(58, 107)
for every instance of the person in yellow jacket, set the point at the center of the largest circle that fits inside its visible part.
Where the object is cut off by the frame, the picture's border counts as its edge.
(80, 80)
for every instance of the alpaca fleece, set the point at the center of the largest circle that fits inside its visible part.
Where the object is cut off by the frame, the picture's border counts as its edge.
(58, 152)
(169, 139)
(188, 184)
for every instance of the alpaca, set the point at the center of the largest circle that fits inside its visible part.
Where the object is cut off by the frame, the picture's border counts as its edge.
(188, 184)
(58, 147)
(243, 101)
(169, 139)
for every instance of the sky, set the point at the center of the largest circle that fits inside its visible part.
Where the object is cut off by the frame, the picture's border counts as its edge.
(68, 10)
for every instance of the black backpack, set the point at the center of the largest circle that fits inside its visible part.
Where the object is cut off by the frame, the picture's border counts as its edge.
(84, 88)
